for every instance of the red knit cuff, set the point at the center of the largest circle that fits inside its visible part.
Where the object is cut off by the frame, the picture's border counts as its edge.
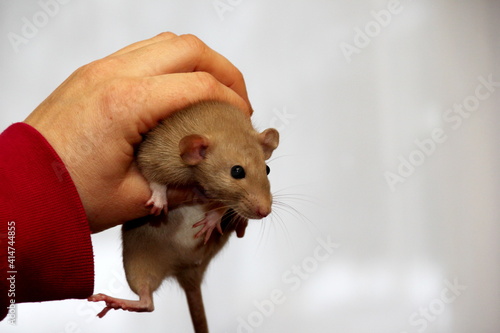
(53, 257)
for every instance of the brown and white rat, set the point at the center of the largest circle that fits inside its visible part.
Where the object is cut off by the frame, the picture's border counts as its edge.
(211, 146)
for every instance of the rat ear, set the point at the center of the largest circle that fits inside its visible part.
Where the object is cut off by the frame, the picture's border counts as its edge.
(269, 139)
(193, 148)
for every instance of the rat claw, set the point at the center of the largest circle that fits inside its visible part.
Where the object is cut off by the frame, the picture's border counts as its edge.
(206, 230)
(157, 207)
(197, 224)
(207, 237)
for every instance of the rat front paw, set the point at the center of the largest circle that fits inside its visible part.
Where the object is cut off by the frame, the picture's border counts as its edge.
(158, 199)
(211, 221)
(157, 206)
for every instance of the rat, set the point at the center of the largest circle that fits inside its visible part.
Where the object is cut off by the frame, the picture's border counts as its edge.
(213, 148)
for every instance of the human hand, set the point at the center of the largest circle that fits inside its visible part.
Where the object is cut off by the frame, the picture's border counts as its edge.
(96, 117)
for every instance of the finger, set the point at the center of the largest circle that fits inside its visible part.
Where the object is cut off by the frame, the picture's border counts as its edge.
(132, 47)
(183, 54)
(162, 95)
(179, 195)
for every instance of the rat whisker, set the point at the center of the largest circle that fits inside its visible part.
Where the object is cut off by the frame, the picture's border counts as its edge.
(243, 189)
(284, 227)
(218, 207)
(296, 197)
(282, 206)
(274, 158)
(229, 220)
(261, 234)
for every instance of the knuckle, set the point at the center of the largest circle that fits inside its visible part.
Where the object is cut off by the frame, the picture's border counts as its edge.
(207, 81)
(166, 35)
(88, 71)
(193, 42)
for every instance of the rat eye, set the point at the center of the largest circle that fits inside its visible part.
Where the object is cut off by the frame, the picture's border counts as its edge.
(268, 169)
(237, 172)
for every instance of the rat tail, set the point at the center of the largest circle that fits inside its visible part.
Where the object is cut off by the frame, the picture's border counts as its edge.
(190, 281)
(197, 310)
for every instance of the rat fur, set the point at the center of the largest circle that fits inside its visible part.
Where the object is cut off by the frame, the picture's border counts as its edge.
(199, 147)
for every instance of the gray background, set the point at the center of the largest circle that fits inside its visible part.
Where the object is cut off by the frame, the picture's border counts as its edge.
(345, 122)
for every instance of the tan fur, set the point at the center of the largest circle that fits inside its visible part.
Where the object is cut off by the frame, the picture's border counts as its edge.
(232, 141)
(158, 247)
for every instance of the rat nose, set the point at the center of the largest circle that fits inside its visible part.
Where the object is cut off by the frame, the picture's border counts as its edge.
(263, 211)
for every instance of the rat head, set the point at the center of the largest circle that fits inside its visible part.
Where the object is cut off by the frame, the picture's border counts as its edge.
(232, 168)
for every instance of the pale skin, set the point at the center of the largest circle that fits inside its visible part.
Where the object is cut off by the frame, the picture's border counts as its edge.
(95, 118)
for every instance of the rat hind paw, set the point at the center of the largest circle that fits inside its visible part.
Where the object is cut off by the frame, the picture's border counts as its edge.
(158, 199)
(124, 304)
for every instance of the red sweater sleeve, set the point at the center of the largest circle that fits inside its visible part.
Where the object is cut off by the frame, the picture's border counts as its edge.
(45, 246)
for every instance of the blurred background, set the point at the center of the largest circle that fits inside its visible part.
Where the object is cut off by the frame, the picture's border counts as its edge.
(386, 180)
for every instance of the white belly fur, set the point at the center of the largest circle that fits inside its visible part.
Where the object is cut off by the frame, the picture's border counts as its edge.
(183, 219)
